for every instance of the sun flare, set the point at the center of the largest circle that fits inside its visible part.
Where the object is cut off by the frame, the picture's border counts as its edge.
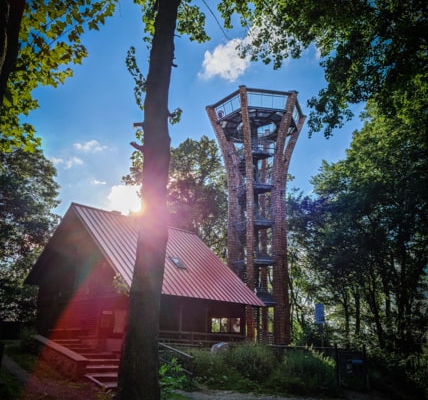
(124, 199)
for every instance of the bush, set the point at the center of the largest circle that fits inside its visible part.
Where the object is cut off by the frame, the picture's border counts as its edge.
(171, 377)
(10, 386)
(255, 362)
(248, 367)
(212, 370)
(304, 372)
(402, 378)
(27, 342)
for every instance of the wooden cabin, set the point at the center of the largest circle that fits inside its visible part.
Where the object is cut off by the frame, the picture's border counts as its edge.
(85, 270)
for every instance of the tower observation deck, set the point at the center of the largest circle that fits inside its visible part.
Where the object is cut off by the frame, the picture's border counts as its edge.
(257, 131)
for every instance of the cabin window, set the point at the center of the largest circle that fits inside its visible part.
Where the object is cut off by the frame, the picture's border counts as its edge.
(226, 325)
(178, 263)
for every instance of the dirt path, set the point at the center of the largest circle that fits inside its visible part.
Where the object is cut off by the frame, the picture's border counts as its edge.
(228, 395)
(38, 388)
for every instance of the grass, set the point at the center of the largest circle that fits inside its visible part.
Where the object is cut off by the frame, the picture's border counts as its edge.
(10, 387)
(251, 368)
(241, 368)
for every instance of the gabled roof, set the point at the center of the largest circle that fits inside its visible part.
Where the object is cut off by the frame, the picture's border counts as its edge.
(205, 276)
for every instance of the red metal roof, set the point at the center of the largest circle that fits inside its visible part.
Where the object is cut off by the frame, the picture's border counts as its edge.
(205, 276)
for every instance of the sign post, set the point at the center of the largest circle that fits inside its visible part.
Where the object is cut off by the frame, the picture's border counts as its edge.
(320, 320)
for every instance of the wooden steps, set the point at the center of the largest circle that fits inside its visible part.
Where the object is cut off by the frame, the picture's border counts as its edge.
(102, 368)
(107, 380)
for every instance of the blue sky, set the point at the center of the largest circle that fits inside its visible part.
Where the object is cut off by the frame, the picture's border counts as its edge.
(86, 124)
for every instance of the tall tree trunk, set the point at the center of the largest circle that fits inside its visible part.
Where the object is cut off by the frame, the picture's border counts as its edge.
(139, 368)
(10, 23)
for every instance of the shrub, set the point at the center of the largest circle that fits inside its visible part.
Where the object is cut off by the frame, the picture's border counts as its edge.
(254, 362)
(27, 342)
(11, 387)
(212, 370)
(248, 367)
(304, 372)
(171, 377)
(401, 377)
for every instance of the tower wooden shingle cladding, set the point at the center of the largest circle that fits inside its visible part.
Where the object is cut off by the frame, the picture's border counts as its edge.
(257, 131)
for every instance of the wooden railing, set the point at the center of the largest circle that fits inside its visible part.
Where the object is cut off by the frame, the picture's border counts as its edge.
(167, 354)
(185, 338)
(198, 338)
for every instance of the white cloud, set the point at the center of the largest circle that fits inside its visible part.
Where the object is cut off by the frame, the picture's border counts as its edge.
(57, 161)
(317, 53)
(124, 199)
(92, 145)
(97, 182)
(71, 162)
(225, 62)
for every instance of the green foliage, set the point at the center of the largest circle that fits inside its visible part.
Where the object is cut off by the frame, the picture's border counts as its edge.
(50, 41)
(213, 371)
(190, 20)
(196, 191)
(172, 378)
(139, 79)
(11, 387)
(401, 378)
(197, 198)
(28, 192)
(28, 344)
(106, 394)
(312, 335)
(254, 362)
(364, 237)
(304, 372)
(363, 58)
(22, 354)
(248, 367)
(120, 286)
(18, 301)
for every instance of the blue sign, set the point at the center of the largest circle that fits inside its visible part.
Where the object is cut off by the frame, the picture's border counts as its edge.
(319, 313)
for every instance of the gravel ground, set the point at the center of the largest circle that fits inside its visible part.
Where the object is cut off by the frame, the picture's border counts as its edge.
(228, 395)
(36, 388)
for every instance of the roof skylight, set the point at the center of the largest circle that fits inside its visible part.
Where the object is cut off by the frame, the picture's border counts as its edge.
(178, 263)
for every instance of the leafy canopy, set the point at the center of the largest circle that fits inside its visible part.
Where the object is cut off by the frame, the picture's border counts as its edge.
(28, 193)
(50, 42)
(367, 235)
(196, 196)
(368, 50)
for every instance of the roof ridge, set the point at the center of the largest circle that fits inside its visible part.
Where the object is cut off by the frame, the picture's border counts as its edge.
(118, 213)
(114, 212)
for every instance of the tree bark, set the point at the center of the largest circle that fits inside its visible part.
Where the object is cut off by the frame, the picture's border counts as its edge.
(139, 368)
(10, 22)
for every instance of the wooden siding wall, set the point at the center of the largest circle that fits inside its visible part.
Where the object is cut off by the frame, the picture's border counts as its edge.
(194, 315)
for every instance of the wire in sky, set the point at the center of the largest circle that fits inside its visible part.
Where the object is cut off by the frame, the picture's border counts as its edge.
(216, 19)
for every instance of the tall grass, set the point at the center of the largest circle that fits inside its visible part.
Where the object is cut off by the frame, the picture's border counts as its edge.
(304, 372)
(249, 367)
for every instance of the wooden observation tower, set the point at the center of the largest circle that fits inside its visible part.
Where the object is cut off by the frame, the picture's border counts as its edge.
(257, 131)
